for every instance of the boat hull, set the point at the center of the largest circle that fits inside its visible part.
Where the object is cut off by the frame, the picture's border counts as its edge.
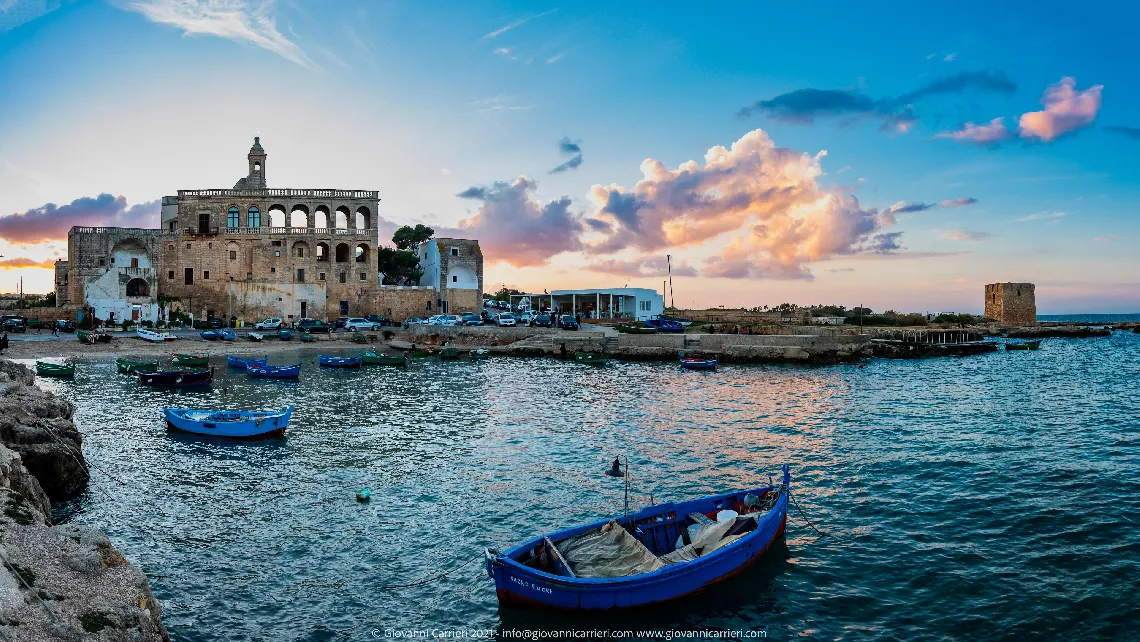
(151, 335)
(177, 379)
(190, 360)
(243, 363)
(699, 364)
(372, 359)
(93, 337)
(274, 372)
(339, 362)
(591, 358)
(124, 366)
(249, 426)
(55, 370)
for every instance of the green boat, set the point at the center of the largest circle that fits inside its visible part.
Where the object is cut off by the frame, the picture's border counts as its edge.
(1023, 345)
(635, 329)
(191, 359)
(591, 358)
(371, 358)
(126, 366)
(285, 334)
(450, 354)
(358, 337)
(93, 336)
(305, 337)
(61, 370)
(420, 353)
(480, 353)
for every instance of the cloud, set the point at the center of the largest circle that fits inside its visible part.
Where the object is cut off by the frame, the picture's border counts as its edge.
(966, 235)
(14, 13)
(904, 207)
(959, 202)
(235, 20)
(989, 134)
(517, 23)
(19, 263)
(950, 57)
(805, 105)
(766, 196)
(51, 222)
(570, 164)
(505, 52)
(1066, 110)
(1130, 132)
(567, 146)
(556, 57)
(1041, 216)
(841, 270)
(499, 103)
(513, 227)
(643, 267)
(1109, 239)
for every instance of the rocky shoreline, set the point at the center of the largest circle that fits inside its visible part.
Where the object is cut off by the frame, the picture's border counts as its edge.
(65, 582)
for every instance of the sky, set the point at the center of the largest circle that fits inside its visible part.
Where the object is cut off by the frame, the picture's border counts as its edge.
(887, 154)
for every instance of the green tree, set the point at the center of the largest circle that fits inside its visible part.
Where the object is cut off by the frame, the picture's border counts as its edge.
(408, 237)
(504, 294)
(399, 267)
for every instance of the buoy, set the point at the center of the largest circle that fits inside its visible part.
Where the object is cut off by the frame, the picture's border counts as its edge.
(363, 495)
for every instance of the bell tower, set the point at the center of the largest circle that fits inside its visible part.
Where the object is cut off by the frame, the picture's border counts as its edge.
(256, 178)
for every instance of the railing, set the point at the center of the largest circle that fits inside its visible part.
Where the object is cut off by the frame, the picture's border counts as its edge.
(113, 230)
(288, 193)
(199, 231)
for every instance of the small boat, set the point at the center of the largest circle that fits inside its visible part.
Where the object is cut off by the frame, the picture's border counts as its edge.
(58, 370)
(180, 359)
(480, 353)
(126, 366)
(177, 378)
(150, 335)
(255, 336)
(229, 423)
(358, 337)
(380, 359)
(210, 335)
(339, 362)
(242, 362)
(226, 334)
(449, 354)
(285, 334)
(1023, 345)
(305, 337)
(591, 358)
(634, 329)
(665, 325)
(420, 353)
(692, 363)
(93, 336)
(274, 372)
(660, 553)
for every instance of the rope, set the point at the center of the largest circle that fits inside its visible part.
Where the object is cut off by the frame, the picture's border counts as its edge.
(428, 580)
(805, 518)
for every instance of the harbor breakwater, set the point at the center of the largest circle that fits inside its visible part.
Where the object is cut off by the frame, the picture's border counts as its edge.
(57, 582)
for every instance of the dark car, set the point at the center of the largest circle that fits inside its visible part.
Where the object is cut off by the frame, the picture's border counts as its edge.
(213, 323)
(340, 321)
(470, 318)
(14, 323)
(65, 326)
(376, 318)
(542, 321)
(568, 322)
(314, 325)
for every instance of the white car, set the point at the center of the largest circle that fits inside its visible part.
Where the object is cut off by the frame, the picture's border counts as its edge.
(507, 320)
(272, 323)
(440, 319)
(357, 324)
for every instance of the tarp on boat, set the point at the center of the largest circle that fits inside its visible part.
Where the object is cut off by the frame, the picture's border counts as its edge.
(608, 552)
(708, 539)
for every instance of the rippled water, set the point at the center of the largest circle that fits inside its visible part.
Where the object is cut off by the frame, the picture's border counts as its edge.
(991, 497)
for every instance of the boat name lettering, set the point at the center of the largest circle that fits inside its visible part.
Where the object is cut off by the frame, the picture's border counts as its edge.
(533, 587)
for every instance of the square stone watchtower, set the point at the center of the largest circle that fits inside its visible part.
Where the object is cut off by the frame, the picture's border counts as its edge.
(1013, 303)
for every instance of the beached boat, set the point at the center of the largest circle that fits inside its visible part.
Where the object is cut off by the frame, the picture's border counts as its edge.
(380, 359)
(93, 336)
(358, 337)
(449, 353)
(1023, 345)
(305, 337)
(243, 362)
(665, 325)
(274, 372)
(226, 334)
(255, 336)
(150, 335)
(591, 358)
(177, 378)
(660, 553)
(633, 328)
(126, 366)
(58, 370)
(210, 335)
(480, 353)
(229, 423)
(691, 363)
(285, 334)
(339, 362)
(420, 353)
(180, 359)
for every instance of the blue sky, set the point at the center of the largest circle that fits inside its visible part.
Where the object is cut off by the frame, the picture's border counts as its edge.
(920, 198)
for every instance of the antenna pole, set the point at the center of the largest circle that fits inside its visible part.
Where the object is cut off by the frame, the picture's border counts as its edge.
(669, 266)
(627, 489)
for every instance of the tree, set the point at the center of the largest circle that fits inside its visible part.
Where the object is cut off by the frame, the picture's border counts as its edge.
(399, 267)
(408, 237)
(504, 294)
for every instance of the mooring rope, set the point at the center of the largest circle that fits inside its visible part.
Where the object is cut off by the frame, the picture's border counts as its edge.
(428, 580)
(808, 521)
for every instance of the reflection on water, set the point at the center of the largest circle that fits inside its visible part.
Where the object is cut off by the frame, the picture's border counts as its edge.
(984, 497)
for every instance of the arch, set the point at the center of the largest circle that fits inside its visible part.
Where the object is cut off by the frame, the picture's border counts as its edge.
(138, 287)
(129, 253)
(322, 251)
(299, 216)
(341, 218)
(253, 217)
(233, 217)
(321, 216)
(362, 255)
(363, 218)
(277, 216)
(462, 277)
(342, 252)
(301, 250)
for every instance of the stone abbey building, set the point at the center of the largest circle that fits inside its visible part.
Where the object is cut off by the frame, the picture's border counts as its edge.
(252, 252)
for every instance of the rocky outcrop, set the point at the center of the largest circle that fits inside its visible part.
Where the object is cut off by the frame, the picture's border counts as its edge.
(38, 426)
(67, 582)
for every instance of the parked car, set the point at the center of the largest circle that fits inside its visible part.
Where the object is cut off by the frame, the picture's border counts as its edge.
(14, 323)
(507, 320)
(470, 318)
(213, 323)
(542, 321)
(65, 326)
(339, 323)
(410, 321)
(568, 322)
(272, 323)
(358, 324)
(376, 318)
(314, 325)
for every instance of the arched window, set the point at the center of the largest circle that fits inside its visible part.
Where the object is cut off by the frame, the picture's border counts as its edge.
(322, 251)
(362, 253)
(254, 217)
(233, 217)
(342, 253)
(138, 287)
(341, 215)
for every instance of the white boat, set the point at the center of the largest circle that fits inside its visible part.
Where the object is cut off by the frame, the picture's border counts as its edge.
(151, 335)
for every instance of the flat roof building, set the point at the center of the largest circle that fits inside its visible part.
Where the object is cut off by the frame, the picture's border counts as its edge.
(603, 303)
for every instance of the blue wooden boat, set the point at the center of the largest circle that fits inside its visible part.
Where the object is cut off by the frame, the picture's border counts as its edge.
(339, 362)
(274, 372)
(210, 335)
(242, 362)
(226, 334)
(692, 363)
(285, 334)
(177, 378)
(229, 423)
(643, 558)
(665, 325)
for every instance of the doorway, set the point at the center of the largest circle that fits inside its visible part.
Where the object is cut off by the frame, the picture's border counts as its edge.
(304, 310)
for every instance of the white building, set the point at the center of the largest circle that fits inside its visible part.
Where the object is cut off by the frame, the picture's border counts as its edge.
(605, 303)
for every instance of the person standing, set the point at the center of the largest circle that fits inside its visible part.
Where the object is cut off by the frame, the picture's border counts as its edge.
(4, 342)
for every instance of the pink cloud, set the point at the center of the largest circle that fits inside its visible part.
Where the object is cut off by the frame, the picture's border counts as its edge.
(51, 222)
(514, 227)
(1066, 109)
(959, 202)
(647, 266)
(987, 134)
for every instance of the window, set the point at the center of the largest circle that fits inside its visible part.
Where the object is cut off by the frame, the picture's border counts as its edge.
(134, 263)
(344, 308)
(342, 277)
(300, 276)
(363, 276)
(455, 279)
(173, 226)
(300, 252)
(170, 246)
(273, 270)
(170, 275)
(203, 223)
(249, 275)
(233, 217)
(188, 246)
(321, 276)
(233, 255)
(112, 260)
(275, 243)
(102, 262)
(253, 217)
(276, 252)
(206, 275)
(189, 276)
(454, 251)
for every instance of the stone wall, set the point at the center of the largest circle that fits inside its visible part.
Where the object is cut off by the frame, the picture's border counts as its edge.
(399, 302)
(1012, 303)
(744, 317)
